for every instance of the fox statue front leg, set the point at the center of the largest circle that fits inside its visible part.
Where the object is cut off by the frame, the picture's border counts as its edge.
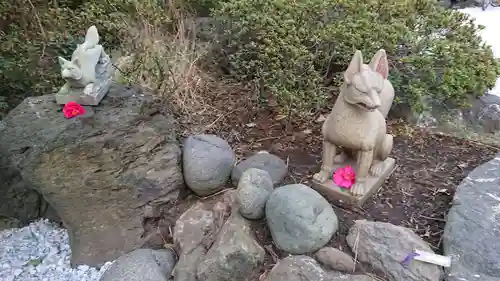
(329, 152)
(88, 89)
(378, 165)
(365, 159)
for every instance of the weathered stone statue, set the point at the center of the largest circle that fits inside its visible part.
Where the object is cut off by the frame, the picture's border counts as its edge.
(357, 123)
(89, 73)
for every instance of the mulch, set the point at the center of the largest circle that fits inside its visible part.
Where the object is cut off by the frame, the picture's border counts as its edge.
(418, 195)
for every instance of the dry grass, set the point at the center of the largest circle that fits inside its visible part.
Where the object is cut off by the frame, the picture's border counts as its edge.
(167, 63)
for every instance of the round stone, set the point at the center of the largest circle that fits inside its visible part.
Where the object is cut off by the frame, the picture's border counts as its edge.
(300, 220)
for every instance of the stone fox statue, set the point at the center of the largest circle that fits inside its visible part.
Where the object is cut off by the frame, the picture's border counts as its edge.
(357, 121)
(80, 72)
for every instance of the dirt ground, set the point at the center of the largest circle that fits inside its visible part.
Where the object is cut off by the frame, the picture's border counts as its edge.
(418, 194)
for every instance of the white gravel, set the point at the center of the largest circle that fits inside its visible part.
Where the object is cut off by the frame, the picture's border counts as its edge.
(40, 252)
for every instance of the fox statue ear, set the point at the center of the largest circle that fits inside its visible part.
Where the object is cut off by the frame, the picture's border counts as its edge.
(62, 61)
(380, 64)
(354, 67)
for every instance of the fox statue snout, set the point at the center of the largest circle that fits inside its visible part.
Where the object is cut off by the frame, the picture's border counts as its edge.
(365, 98)
(375, 99)
(370, 101)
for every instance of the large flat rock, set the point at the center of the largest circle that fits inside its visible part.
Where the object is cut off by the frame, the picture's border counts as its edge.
(472, 231)
(105, 173)
(384, 245)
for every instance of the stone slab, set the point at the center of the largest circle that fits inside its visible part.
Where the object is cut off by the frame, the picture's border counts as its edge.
(472, 227)
(93, 98)
(336, 195)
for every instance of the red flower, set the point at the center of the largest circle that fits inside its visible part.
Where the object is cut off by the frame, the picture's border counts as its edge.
(72, 109)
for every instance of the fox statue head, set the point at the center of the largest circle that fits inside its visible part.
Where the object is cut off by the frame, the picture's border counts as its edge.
(364, 82)
(70, 70)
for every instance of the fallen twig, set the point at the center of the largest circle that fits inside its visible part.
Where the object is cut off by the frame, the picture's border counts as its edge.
(273, 254)
(355, 248)
(215, 194)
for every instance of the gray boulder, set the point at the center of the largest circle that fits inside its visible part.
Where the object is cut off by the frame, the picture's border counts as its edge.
(473, 226)
(141, 265)
(485, 112)
(196, 230)
(207, 163)
(270, 163)
(297, 268)
(254, 189)
(335, 259)
(337, 276)
(301, 268)
(235, 255)
(300, 219)
(99, 171)
(8, 223)
(384, 246)
(20, 203)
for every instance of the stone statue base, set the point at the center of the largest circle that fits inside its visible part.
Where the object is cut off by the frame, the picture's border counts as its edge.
(93, 93)
(335, 194)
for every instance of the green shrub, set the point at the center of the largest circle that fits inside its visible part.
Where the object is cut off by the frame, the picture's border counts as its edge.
(35, 32)
(271, 43)
(203, 7)
(293, 47)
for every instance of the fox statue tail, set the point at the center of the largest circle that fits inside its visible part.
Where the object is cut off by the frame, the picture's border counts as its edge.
(91, 38)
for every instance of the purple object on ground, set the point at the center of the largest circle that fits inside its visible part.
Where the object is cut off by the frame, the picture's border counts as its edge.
(408, 259)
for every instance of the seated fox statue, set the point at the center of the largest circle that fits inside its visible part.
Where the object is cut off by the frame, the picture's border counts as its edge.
(88, 74)
(357, 124)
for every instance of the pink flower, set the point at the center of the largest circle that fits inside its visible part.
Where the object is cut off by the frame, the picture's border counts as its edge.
(344, 177)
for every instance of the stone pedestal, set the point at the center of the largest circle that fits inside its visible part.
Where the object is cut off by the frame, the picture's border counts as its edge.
(335, 194)
(93, 94)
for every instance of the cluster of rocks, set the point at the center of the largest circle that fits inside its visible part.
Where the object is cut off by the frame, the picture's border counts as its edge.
(214, 239)
(209, 161)
(299, 218)
(301, 223)
(209, 248)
